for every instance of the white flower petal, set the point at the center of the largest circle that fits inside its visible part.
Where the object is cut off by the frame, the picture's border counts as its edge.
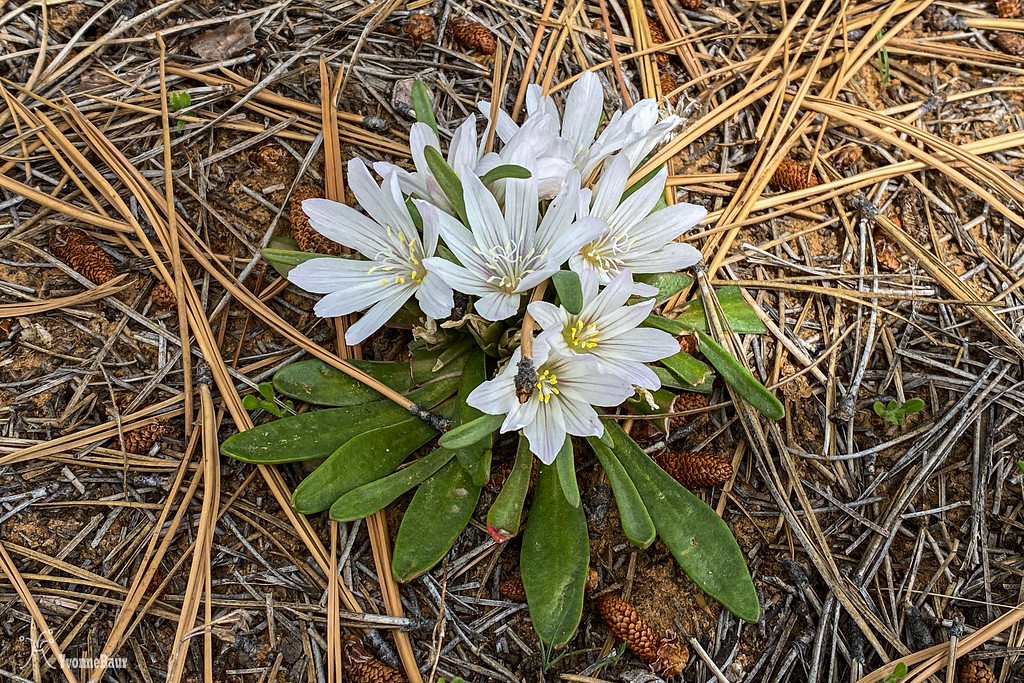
(375, 318)
(672, 257)
(344, 225)
(613, 297)
(463, 150)
(580, 418)
(620, 320)
(583, 109)
(642, 344)
(457, 277)
(356, 298)
(435, 296)
(377, 202)
(547, 315)
(610, 187)
(494, 397)
(581, 232)
(483, 213)
(497, 305)
(327, 274)
(634, 373)
(546, 433)
(638, 205)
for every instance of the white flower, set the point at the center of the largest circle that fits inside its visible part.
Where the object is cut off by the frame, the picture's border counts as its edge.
(606, 330)
(395, 270)
(634, 238)
(505, 256)
(570, 142)
(462, 152)
(561, 403)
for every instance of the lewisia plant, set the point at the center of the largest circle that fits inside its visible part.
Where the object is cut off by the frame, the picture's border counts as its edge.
(528, 279)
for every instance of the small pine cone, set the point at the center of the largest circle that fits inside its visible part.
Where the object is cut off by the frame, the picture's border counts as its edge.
(513, 589)
(75, 248)
(420, 28)
(688, 400)
(692, 5)
(792, 175)
(696, 469)
(1010, 43)
(887, 252)
(361, 667)
(628, 625)
(1009, 8)
(163, 296)
(668, 84)
(308, 239)
(672, 657)
(847, 157)
(138, 441)
(269, 156)
(977, 672)
(472, 35)
(658, 37)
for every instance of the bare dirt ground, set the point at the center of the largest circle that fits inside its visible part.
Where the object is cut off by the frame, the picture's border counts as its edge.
(895, 277)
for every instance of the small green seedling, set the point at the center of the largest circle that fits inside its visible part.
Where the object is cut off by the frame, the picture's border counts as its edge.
(898, 674)
(267, 403)
(1020, 466)
(894, 413)
(883, 62)
(457, 679)
(178, 100)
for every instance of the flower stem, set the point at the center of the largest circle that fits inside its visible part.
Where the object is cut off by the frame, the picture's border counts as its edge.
(526, 375)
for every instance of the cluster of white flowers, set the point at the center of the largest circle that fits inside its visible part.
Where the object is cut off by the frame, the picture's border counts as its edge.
(511, 235)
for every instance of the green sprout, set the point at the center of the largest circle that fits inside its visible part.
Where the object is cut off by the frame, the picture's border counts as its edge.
(883, 61)
(895, 413)
(178, 100)
(267, 403)
(457, 679)
(898, 674)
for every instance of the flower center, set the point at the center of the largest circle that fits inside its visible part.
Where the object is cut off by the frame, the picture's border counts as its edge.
(402, 262)
(546, 381)
(607, 252)
(582, 338)
(508, 264)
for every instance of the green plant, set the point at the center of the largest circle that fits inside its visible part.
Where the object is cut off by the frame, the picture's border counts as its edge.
(481, 376)
(178, 100)
(457, 679)
(895, 413)
(883, 61)
(898, 674)
(267, 402)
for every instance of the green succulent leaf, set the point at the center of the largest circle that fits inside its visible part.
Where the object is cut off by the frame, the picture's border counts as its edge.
(565, 465)
(506, 513)
(370, 456)
(691, 371)
(740, 317)
(421, 105)
(472, 432)
(554, 560)
(633, 515)
(570, 291)
(440, 509)
(504, 171)
(697, 537)
(376, 495)
(740, 379)
(672, 381)
(448, 180)
(319, 433)
(668, 284)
